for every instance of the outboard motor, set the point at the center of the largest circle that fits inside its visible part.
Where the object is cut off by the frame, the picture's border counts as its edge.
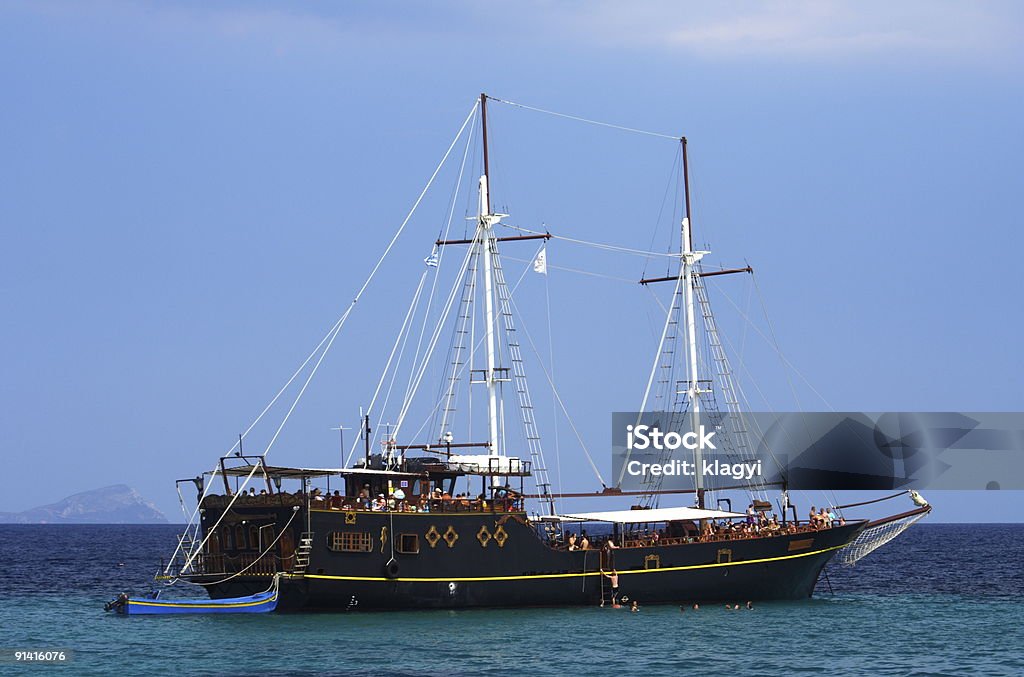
(117, 604)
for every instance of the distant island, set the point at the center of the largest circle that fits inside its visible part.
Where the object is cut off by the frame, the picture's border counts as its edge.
(116, 504)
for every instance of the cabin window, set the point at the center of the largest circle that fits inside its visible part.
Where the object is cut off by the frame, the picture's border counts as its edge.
(349, 541)
(267, 536)
(254, 537)
(409, 544)
(239, 537)
(213, 543)
(229, 538)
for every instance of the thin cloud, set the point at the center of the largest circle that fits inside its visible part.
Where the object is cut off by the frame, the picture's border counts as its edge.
(743, 30)
(730, 30)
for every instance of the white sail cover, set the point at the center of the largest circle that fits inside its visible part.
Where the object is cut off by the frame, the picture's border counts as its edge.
(654, 515)
(499, 465)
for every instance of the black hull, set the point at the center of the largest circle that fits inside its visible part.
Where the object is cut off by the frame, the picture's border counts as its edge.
(474, 571)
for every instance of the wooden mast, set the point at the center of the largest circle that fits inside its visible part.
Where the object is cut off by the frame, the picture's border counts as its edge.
(487, 164)
(686, 194)
(686, 243)
(486, 243)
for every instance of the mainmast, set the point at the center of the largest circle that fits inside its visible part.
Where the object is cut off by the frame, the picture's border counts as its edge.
(688, 271)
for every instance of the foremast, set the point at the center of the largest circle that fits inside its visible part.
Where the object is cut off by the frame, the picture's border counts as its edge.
(485, 239)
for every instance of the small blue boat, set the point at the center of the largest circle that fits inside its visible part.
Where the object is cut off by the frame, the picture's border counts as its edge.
(263, 602)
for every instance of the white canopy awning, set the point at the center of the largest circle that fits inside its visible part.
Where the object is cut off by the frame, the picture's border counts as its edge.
(655, 515)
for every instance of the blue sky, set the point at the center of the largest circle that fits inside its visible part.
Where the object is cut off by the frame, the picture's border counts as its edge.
(191, 193)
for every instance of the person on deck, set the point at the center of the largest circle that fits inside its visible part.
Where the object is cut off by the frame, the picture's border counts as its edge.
(609, 556)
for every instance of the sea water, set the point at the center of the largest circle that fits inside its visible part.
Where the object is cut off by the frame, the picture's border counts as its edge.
(940, 600)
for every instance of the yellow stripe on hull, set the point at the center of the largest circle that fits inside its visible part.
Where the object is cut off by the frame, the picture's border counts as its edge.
(571, 575)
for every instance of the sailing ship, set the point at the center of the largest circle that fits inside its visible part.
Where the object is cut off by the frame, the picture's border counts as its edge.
(443, 523)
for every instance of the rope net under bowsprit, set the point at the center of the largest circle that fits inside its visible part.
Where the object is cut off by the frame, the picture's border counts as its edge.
(875, 537)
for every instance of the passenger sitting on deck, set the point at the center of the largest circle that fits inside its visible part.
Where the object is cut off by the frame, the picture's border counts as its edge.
(364, 496)
(572, 542)
(336, 500)
(397, 501)
(584, 541)
(380, 504)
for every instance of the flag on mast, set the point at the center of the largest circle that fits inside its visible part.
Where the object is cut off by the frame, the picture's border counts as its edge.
(540, 264)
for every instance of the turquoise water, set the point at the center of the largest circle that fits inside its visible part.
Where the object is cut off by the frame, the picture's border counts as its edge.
(941, 600)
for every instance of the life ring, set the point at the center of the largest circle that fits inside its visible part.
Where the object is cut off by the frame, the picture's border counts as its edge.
(391, 568)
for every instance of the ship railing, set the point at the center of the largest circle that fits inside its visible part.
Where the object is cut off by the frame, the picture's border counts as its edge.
(352, 503)
(417, 504)
(225, 564)
(648, 539)
(256, 500)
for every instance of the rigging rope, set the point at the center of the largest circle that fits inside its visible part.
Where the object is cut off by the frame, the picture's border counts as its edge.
(458, 374)
(874, 537)
(252, 563)
(654, 371)
(551, 361)
(595, 245)
(433, 342)
(586, 120)
(400, 339)
(554, 391)
(331, 335)
(440, 259)
(578, 271)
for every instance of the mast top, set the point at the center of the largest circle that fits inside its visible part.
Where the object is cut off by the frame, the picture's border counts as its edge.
(487, 167)
(686, 245)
